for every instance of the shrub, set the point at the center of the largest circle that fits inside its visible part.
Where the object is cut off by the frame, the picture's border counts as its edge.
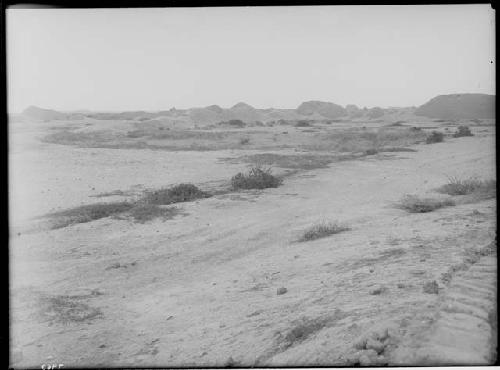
(322, 230)
(236, 122)
(456, 186)
(414, 204)
(371, 151)
(435, 137)
(303, 123)
(244, 140)
(175, 194)
(87, 213)
(463, 131)
(256, 178)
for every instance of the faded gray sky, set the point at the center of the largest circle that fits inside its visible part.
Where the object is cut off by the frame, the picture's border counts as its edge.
(151, 59)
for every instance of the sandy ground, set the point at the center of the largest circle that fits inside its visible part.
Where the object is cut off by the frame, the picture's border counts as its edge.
(201, 289)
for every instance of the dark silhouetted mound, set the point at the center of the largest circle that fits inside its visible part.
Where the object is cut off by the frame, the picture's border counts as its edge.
(456, 106)
(326, 109)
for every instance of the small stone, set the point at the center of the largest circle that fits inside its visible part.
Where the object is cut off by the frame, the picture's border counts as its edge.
(281, 291)
(374, 344)
(401, 285)
(378, 290)
(372, 269)
(102, 346)
(98, 291)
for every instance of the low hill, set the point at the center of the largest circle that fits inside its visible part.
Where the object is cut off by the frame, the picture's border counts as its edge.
(325, 109)
(457, 106)
(43, 114)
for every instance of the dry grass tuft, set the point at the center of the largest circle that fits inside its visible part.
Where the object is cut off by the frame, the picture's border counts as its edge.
(143, 213)
(176, 194)
(463, 131)
(435, 137)
(475, 189)
(255, 178)
(457, 186)
(87, 213)
(414, 204)
(322, 230)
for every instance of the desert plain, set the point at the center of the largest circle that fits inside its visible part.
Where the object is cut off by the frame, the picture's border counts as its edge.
(230, 278)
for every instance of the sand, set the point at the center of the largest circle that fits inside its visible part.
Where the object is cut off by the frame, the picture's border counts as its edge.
(201, 289)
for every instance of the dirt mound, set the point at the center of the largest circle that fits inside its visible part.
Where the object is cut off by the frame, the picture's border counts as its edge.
(458, 106)
(326, 109)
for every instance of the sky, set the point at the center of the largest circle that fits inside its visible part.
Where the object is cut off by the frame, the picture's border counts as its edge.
(158, 58)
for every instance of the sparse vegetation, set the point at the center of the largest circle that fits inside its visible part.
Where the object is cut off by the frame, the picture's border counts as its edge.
(435, 137)
(371, 151)
(302, 161)
(303, 123)
(322, 230)
(68, 309)
(234, 123)
(482, 189)
(144, 212)
(463, 131)
(359, 140)
(175, 194)
(414, 204)
(256, 178)
(87, 213)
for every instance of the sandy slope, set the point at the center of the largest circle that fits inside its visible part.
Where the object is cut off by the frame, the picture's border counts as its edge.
(200, 289)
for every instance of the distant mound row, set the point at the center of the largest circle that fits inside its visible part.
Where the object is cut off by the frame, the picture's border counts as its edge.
(457, 106)
(468, 106)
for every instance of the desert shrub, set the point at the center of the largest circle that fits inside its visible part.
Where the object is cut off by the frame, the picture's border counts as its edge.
(236, 122)
(322, 230)
(144, 212)
(371, 151)
(396, 124)
(463, 131)
(87, 213)
(435, 137)
(414, 204)
(456, 186)
(244, 140)
(303, 123)
(256, 178)
(175, 194)
(413, 128)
